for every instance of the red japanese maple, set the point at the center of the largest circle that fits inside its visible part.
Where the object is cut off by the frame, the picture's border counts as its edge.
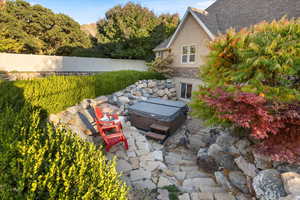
(276, 124)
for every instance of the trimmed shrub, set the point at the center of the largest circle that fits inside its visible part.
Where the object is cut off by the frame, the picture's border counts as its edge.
(43, 163)
(252, 82)
(56, 93)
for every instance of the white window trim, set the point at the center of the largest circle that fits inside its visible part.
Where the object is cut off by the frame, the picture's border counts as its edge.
(181, 98)
(188, 55)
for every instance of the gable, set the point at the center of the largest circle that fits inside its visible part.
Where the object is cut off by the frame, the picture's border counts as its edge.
(190, 33)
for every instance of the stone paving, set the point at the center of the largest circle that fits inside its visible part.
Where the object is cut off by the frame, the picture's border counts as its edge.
(148, 165)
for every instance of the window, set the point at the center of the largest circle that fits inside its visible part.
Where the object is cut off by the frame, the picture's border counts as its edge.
(188, 54)
(160, 54)
(186, 90)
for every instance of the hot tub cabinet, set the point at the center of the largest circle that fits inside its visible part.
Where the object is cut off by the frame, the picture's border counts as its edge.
(167, 113)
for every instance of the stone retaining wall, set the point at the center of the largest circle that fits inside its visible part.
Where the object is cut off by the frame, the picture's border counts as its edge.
(240, 170)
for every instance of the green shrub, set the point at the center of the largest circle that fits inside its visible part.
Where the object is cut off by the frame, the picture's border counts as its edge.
(54, 94)
(43, 163)
(263, 59)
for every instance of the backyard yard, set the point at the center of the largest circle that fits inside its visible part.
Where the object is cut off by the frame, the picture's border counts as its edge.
(202, 108)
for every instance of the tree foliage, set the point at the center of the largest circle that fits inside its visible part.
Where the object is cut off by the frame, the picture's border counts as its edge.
(37, 30)
(252, 82)
(132, 31)
(162, 65)
(262, 59)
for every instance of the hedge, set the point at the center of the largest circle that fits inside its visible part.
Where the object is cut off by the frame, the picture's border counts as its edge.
(43, 163)
(54, 94)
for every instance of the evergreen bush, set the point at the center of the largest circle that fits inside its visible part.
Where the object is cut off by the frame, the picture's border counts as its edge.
(43, 163)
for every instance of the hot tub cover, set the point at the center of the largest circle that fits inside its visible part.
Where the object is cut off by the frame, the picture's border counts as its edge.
(162, 110)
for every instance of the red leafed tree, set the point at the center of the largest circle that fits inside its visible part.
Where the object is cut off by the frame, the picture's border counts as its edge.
(276, 124)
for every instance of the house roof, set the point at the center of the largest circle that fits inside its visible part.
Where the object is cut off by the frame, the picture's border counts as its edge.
(162, 45)
(238, 14)
(225, 14)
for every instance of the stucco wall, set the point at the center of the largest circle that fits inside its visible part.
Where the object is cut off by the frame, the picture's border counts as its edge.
(194, 81)
(190, 34)
(41, 63)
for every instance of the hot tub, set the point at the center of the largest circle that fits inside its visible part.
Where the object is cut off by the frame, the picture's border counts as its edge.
(158, 111)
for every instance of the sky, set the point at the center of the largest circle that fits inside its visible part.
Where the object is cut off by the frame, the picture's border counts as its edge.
(90, 11)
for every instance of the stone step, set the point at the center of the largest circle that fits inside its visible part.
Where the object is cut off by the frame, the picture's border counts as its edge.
(160, 128)
(155, 136)
(224, 196)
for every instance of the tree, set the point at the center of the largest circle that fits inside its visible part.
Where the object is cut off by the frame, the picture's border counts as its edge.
(132, 31)
(37, 30)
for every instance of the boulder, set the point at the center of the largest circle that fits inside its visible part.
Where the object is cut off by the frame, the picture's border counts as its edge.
(222, 158)
(268, 185)
(206, 162)
(291, 182)
(248, 168)
(124, 100)
(225, 140)
(139, 174)
(223, 181)
(262, 162)
(238, 179)
(163, 181)
(196, 142)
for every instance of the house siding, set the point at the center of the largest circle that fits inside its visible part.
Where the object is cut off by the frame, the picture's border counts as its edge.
(190, 34)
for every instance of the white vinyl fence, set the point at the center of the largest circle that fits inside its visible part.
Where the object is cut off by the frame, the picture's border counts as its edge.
(41, 63)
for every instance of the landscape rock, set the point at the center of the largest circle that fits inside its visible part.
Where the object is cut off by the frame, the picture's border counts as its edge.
(163, 181)
(262, 162)
(223, 181)
(163, 194)
(290, 197)
(291, 182)
(139, 174)
(243, 146)
(225, 140)
(157, 155)
(202, 196)
(184, 196)
(248, 168)
(222, 158)
(196, 142)
(207, 163)
(144, 184)
(239, 180)
(268, 185)
(224, 196)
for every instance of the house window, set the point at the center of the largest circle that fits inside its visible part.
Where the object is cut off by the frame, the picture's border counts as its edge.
(188, 54)
(186, 90)
(160, 54)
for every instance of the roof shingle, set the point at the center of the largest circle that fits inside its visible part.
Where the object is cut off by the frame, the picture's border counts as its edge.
(225, 14)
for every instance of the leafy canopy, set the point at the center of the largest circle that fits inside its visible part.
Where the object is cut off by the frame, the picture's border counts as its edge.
(132, 31)
(37, 30)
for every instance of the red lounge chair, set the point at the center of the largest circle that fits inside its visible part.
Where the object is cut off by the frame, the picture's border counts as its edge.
(110, 129)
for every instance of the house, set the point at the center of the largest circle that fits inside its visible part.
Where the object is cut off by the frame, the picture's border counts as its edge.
(189, 44)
